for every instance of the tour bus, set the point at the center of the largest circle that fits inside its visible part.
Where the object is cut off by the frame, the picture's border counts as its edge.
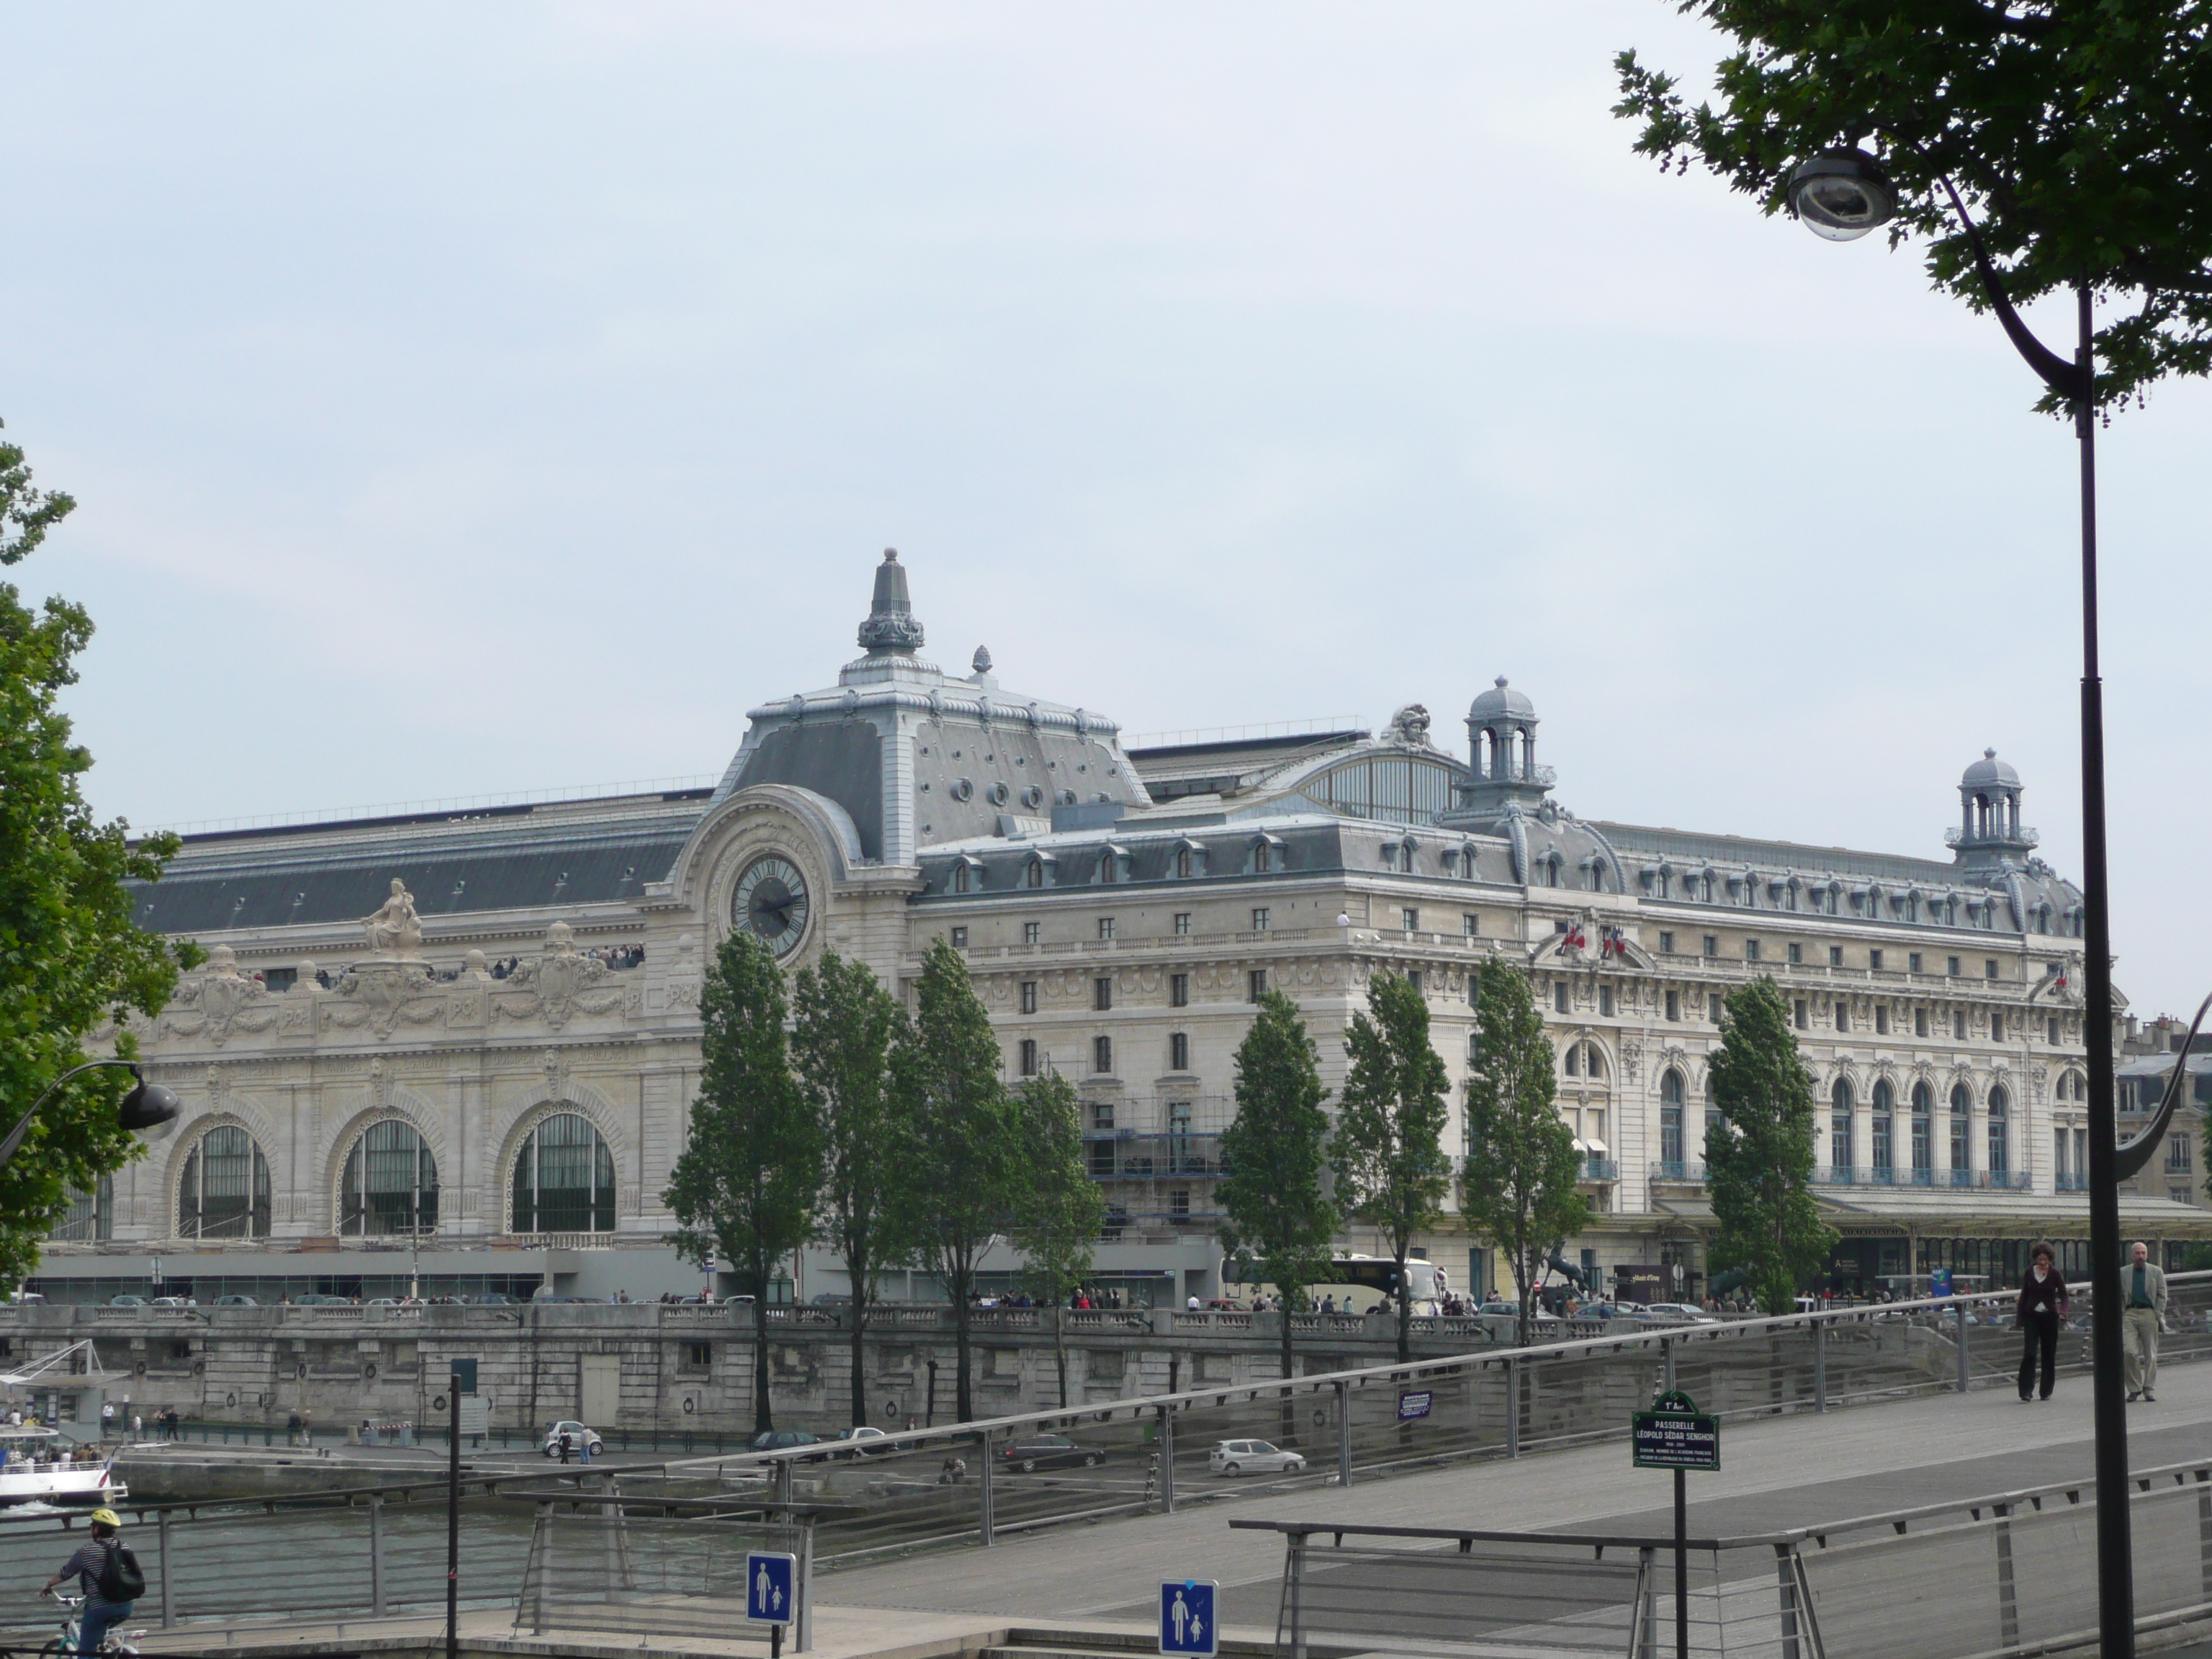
(1357, 1283)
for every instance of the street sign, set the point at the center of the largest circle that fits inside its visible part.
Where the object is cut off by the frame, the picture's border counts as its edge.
(1417, 1404)
(1187, 1617)
(1939, 1282)
(769, 1593)
(1674, 1434)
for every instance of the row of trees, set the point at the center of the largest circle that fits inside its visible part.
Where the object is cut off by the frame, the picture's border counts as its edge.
(830, 1116)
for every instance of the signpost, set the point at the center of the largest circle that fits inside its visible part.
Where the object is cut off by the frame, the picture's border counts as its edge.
(461, 1380)
(1187, 1624)
(771, 1584)
(1415, 1405)
(1674, 1434)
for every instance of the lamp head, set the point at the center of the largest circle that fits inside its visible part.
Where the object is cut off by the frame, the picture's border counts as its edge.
(1842, 194)
(150, 1111)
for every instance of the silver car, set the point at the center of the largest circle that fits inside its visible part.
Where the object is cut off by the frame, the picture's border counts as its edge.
(1234, 1457)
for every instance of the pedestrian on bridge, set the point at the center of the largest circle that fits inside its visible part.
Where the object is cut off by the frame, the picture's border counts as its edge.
(2043, 1303)
(2142, 1313)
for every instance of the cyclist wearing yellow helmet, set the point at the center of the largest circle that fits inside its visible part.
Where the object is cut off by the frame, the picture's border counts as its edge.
(102, 1560)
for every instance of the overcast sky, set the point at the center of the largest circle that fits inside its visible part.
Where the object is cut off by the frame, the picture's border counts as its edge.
(484, 399)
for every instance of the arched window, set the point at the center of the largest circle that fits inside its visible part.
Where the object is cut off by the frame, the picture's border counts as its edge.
(225, 1191)
(1262, 858)
(1962, 1112)
(1597, 875)
(1182, 863)
(1885, 1112)
(1839, 1128)
(2000, 1147)
(1102, 1054)
(959, 878)
(1108, 869)
(1034, 875)
(1924, 1108)
(88, 1216)
(390, 1182)
(1670, 1121)
(564, 1181)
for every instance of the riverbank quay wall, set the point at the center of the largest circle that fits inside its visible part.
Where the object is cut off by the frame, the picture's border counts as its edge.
(662, 1367)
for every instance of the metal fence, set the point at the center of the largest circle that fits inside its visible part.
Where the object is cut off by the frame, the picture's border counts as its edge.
(595, 1566)
(364, 1552)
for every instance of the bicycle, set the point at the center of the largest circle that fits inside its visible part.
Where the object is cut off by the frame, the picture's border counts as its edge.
(116, 1645)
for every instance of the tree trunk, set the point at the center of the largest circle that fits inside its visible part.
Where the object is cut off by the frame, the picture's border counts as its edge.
(1405, 1312)
(1060, 1350)
(1289, 1433)
(860, 1353)
(763, 1420)
(962, 1404)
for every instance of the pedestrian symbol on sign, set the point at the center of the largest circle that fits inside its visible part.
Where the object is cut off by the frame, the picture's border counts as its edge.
(1187, 1617)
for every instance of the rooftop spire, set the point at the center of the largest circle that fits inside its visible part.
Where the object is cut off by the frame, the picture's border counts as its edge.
(892, 625)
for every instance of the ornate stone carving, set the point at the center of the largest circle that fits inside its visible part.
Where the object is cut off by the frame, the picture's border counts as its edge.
(395, 931)
(560, 984)
(227, 1002)
(380, 995)
(1410, 725)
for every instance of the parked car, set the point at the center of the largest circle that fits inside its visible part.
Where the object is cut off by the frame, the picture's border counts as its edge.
(1695, 1315)
(580, 1437)
(784, 1440)
(173, 1302)
(382, 1301)
(493, 1299)
(236, 1301)
(1235, 1457)
(126, 1301)
(317, 1299)
(1049, 1451)
(862, 1438)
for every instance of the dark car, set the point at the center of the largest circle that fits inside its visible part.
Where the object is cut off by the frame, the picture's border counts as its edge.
(784, 1440)
(1050, 1451)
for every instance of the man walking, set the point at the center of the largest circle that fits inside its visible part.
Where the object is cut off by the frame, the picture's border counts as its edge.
(2143, 1302)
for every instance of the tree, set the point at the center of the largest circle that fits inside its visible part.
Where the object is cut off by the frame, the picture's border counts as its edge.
(1519, 1185)
(1058, 1208)
(840, 1040)
(2074, 135)
(959, 1134)
(1275, 1157)
(1758, 1157)
(1391, 1171)
(745, 1189)
(71, 960)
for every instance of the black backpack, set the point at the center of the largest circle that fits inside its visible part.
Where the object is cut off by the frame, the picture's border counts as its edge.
(120, 1580)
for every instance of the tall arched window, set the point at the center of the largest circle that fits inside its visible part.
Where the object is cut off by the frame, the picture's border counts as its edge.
(1962, 1114)
(225, 1191)
(1670, 1121)
(1839, 1128)
(88, 1215)
(2000, 1148)
(564, 1180)
(390, 1183)
(1924, 1108)
(1885, 1114)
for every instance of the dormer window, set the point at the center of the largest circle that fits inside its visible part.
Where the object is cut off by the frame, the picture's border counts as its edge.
(959, 878)
(1182, 863)
(1261, 859)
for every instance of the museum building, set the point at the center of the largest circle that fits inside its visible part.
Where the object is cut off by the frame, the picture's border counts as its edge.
(455, 1051)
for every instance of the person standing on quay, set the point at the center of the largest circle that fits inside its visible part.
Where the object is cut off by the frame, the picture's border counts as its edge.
(2043, 1303)
(2143, 1304)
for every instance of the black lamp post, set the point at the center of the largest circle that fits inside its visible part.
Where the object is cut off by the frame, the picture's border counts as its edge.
(1841, 195)
(148, 1111)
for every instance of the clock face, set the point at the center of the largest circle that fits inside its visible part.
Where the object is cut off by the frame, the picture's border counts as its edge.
(771, 900)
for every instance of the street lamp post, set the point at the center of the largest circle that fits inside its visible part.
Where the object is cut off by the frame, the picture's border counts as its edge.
(1841, 195)
(148, 1111)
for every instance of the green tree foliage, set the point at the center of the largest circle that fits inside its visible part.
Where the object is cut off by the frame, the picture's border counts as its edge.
(2075, 134)
(1519, 1183)
(960, 1134)
(1758, 1158)
(1275, 1155)
(1058, 1208)
(71, 958)
(844, 1026)
(1391, 1171)
(744, 1188)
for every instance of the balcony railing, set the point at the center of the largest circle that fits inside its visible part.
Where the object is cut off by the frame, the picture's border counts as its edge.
(1600, 1169)
(1126, 1155)
(2068, 1182)
(1673, 1170)
(1825, 1175)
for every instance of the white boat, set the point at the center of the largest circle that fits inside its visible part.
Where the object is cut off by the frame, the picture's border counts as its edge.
(34, 1472)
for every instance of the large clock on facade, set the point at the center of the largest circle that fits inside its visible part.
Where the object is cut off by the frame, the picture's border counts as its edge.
(771, 900)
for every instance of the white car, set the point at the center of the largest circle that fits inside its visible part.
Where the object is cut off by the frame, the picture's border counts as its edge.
(1694, 1315)
(578, 1438)
(864, 1435)
(1234, 1457)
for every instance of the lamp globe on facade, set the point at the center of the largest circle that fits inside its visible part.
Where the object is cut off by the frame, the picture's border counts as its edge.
(150, 1111)
(1842, 194)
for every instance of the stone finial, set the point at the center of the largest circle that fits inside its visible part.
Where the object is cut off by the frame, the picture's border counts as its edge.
(475, 965)
(982, 664)
(892, 625)
(559, 940)
(304, 980)
(222, 961)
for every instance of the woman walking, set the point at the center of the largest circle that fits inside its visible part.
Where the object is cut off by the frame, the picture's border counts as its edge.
(2043, 1303)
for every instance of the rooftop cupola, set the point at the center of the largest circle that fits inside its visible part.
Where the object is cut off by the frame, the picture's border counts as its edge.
(891, 626)
(1989, 830)
(1501, 737)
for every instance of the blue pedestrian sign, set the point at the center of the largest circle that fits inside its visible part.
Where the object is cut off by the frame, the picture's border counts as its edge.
(1187, 1620)
(770, 1584)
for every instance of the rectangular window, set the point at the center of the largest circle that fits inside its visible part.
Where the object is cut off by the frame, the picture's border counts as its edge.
(1843, 1016)
(1413, 920)
(1796, 953)
(1105, 928)
(1959, 1026)
(1414, 977)
(1256, 984)
(1560, 997)
(1920, 1022)
(1674, 1004)
(1028, 996)
(1179, 1203)
(960, 938)
(1713, 1007)
(1102, 1054)
(1666, 943)
(699, 1356)
(2059, 1140)
(1874, 960)
(1605, 1001)
(1951, 966)
(1178, 1051)
(1751, 950)
(1029, 1057)
(1835, 956)
(1990, 967)
(1259, 918)
(1178, 990)
(1912, 962)
(2177, 1152)
(1882, 1022)
(1804, 1014)
(1470, 924)
(1183, 921)
(1997, 1026)
(1032, 932)
(1102, 993)
(2051, 1027)
(1712, 944)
